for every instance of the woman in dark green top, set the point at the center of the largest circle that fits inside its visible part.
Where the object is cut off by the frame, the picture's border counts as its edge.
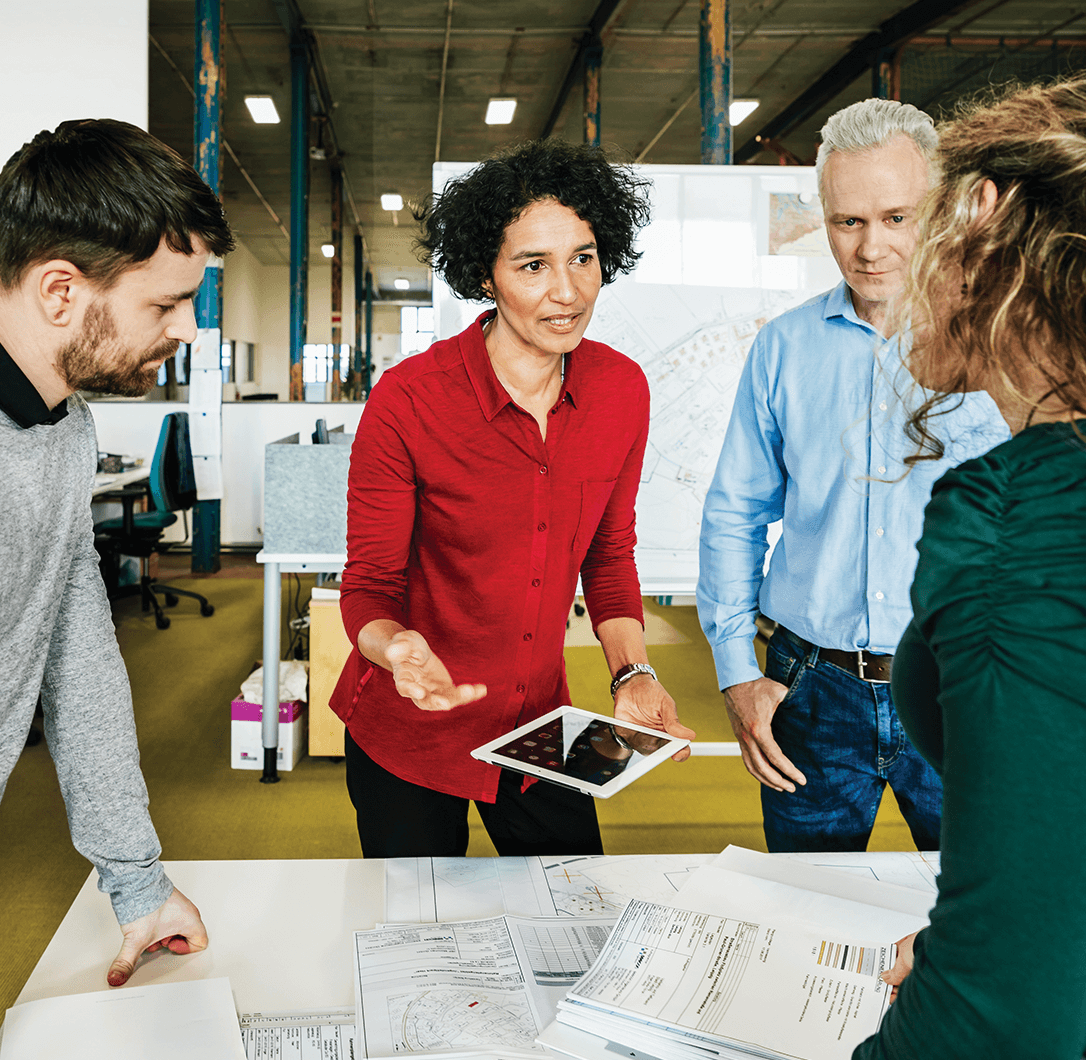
(990, 677)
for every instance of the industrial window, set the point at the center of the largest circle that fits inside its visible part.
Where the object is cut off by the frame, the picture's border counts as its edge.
(416, 329)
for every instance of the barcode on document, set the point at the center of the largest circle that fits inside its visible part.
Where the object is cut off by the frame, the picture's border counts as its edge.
(847, 958)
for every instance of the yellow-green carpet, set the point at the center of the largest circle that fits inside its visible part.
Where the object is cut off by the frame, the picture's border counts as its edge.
(183, 680)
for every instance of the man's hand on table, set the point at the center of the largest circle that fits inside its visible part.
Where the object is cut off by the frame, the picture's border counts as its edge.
(644, 701)
(422, 677)
(175, 925)
(751, 706)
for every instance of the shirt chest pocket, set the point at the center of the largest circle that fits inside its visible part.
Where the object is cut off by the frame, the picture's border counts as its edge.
(594, 498)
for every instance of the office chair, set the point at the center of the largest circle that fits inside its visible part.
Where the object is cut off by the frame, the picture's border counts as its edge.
(172, 485)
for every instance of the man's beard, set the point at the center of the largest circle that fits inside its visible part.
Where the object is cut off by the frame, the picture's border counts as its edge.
(94, 361)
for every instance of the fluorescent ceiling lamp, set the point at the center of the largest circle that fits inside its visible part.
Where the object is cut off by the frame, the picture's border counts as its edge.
(741, 109)
(401, 284)
(262, 108)
(328, 250)
(500, 111)
(392, 201)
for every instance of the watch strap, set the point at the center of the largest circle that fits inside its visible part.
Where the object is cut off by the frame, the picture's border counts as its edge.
(628, 671)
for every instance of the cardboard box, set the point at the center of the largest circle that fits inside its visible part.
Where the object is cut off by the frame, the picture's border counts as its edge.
(246, 746)
(329, 649)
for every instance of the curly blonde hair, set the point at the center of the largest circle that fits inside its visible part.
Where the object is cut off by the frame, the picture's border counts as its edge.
(1022, 268)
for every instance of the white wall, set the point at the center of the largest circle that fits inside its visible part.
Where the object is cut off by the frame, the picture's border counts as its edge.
(131, 428)
(65, 59)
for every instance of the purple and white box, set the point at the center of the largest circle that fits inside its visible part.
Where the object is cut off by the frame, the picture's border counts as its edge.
(246, 745)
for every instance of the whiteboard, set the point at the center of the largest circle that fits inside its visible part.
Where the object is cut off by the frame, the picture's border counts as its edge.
(728, 249)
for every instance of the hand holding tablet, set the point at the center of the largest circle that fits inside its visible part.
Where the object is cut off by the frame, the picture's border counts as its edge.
(577, 749)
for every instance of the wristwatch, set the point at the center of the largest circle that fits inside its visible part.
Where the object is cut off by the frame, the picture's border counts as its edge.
(628, 671)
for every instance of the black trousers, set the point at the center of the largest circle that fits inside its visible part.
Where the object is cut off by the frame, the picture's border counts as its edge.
(398, 819)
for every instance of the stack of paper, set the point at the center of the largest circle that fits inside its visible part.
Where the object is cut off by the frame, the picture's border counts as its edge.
(762, 958)
(679, 984)
(169, 1021)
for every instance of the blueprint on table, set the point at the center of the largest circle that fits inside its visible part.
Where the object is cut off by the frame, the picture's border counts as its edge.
(436, 890)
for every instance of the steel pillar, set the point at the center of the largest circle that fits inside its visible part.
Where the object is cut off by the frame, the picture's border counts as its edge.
(337, 275)
(882, 75)
(299, 209)
(593, 60)
(367, 370)
(715, 68)
(207, 350)
(356, 390)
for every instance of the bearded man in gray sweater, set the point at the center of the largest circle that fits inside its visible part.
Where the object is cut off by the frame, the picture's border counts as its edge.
(104, 236)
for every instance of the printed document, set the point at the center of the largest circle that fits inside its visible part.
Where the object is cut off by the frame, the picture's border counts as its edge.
(433, 890)
(482, 986)
(677, 983)
(328, 1035)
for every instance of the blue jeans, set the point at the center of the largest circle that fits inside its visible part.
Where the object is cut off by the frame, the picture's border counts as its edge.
(845, 737)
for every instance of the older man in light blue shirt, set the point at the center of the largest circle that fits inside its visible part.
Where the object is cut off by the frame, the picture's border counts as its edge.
(817, 441)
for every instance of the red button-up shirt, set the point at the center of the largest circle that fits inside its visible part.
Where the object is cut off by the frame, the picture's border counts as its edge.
(463, 524)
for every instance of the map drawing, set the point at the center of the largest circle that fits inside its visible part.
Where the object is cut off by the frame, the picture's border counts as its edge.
(459, 1019)
(603, 886)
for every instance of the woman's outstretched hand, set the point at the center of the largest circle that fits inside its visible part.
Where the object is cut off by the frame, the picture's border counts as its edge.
(422, 677)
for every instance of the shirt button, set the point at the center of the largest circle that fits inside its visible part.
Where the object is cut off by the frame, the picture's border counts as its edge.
(527, 636)
(882, 405)
(535, 582)
(880, 531)
(881, 469)
(520, 688)
(543, 469)
(541, 527)
(878, 596)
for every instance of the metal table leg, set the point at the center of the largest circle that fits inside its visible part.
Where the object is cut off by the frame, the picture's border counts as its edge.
(269, 726)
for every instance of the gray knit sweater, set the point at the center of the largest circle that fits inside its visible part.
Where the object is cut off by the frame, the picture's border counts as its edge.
(56, 637)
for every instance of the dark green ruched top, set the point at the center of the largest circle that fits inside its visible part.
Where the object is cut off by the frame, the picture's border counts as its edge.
(989, 682)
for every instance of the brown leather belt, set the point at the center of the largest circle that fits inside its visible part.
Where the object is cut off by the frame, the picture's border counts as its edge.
(865, 665)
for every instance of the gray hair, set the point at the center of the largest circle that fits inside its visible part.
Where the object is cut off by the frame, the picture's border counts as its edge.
(872, 123)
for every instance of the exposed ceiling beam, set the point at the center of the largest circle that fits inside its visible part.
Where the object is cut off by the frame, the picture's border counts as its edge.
(596, 26)
(916, 18)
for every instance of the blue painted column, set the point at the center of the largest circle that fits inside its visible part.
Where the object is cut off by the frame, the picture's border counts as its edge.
(299, 210)
(358, 390)
(715, 67)
(205, 382)
(593, 61)
(883, 75)
(367, 371)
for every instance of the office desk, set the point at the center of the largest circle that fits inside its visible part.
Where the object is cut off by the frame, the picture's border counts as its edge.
(279, 929)
(107, 482)
(276, 564)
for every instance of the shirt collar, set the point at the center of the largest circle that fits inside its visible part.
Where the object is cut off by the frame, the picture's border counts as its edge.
(21, 401)
(492, 396)
(839, 304)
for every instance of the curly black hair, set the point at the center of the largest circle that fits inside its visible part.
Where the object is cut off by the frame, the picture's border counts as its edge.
(462, 228)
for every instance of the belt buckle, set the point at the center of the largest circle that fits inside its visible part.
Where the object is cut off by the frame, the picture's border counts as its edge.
(861, 667)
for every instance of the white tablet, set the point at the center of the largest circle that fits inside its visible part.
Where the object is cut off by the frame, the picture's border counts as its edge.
(581, 750)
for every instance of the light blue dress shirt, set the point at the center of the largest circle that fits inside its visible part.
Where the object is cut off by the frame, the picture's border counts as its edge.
(816, 439)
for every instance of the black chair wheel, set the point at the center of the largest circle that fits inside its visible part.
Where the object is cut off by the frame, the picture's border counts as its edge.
(207, 610)
(171, 600)
(162, 622)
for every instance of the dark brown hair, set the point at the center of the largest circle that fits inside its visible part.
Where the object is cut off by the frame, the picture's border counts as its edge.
(103, 195)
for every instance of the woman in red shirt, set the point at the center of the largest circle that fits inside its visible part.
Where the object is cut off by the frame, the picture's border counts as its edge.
(487, 474)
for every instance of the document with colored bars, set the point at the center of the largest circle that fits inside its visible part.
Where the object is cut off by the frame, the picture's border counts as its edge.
(675, 984)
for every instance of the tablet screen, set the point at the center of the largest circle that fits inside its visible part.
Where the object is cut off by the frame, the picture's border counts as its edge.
(591, 750)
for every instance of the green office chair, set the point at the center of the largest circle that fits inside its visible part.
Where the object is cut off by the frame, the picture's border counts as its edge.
(172, 486)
